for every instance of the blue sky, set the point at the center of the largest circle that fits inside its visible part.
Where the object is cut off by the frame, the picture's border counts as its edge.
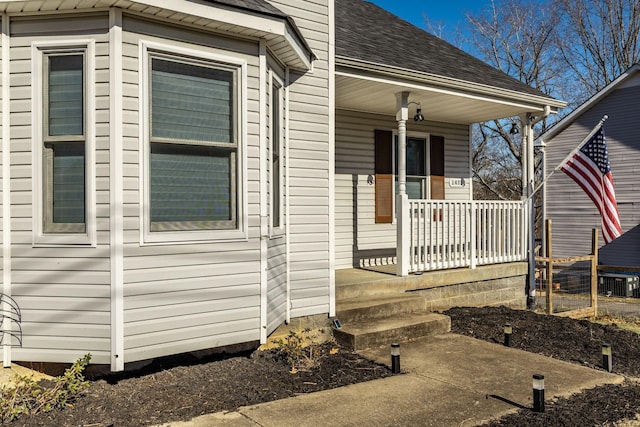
(448, 12)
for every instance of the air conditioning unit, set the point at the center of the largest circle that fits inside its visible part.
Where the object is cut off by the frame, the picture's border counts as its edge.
(621, 285)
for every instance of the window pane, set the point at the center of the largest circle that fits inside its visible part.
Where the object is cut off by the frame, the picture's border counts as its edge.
(68, 183)
(275, 156)
(415, 157)
(66, 106)
(191, 183)
(189, 102)
(415, 188)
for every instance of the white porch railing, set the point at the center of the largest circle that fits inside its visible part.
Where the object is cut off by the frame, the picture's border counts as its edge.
(450, 234)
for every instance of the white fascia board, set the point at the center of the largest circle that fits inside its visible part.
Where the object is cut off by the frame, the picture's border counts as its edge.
(421, 79)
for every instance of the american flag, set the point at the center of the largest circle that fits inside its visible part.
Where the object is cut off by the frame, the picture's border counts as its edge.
(589, 168)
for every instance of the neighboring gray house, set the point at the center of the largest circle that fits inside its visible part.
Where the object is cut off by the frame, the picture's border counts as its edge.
(191, 176)
(572, 213)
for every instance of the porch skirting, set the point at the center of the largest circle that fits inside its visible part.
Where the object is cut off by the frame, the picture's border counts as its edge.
(501, 284)
(497, 284)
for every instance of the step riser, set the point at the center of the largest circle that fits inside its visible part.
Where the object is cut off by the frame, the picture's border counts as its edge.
(369, 288)
(381, 310)
(386, 337)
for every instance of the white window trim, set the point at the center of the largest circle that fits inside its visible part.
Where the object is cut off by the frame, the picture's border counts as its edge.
(277, 231)
(40, 238)
(410, 134)
(148, 237)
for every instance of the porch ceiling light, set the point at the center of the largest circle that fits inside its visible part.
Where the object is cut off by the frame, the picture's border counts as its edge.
(418, 117)
(514, 129)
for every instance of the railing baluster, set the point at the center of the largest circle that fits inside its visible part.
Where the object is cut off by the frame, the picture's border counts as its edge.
(448, 234)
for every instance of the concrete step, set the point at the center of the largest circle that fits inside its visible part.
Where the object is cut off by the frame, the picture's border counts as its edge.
(392, 285)
(378, 306)
(398, 328)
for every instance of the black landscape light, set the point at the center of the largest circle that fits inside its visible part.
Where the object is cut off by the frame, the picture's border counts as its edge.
(538, 393)
(606, 357)
(395, 358)
(508, 330)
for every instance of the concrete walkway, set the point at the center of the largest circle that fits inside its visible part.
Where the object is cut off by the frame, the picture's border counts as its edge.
(449, 380)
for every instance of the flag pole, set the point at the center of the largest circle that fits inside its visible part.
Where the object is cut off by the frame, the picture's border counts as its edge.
(571, 154)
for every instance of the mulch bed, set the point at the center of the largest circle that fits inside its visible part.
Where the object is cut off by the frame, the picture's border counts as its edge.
(576, 341)
(183, 392)
(174, 392)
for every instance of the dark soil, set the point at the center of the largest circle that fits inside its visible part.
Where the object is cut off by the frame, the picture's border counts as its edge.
(184, 392)
(170, 393)
(576, 341)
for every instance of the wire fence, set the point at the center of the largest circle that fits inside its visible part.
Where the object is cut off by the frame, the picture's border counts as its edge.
(569, 285)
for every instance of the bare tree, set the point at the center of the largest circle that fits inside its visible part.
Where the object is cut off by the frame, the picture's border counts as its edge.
(517, 38)
(569, 49)
(598, 40)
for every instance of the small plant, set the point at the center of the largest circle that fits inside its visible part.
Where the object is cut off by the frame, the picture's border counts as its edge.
(302, 350)
(26, 396)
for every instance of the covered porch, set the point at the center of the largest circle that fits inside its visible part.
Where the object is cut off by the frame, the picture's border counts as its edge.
(433, 221)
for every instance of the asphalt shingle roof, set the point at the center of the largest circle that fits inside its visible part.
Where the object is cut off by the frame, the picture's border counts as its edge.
(369, 33)
(255, 5)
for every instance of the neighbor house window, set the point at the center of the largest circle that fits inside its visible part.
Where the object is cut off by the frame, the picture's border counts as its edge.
(276, 155)
(193, 165)
(64, 142)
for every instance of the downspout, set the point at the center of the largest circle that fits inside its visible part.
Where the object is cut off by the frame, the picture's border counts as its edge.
(332, 160)
(6, 192)
(287, 223)
(116, 189)
(264, 216)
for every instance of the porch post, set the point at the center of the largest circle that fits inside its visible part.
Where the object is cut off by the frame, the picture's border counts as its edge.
(402, 201)
(527, 192)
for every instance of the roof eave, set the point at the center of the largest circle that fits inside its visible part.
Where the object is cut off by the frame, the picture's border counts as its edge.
(449, 82)
(280, 32)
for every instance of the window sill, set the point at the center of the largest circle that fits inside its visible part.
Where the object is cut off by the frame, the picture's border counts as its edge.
(156, 238)
(63, 240)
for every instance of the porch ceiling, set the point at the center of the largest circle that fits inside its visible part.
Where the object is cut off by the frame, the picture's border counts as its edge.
(372, 93)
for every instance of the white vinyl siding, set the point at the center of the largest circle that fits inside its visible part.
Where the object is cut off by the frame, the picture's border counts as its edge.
(179, 294)
(188, 296)
(64, 295)
(359, 240)
(572, 213)
(309, 164)
(276, 109)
